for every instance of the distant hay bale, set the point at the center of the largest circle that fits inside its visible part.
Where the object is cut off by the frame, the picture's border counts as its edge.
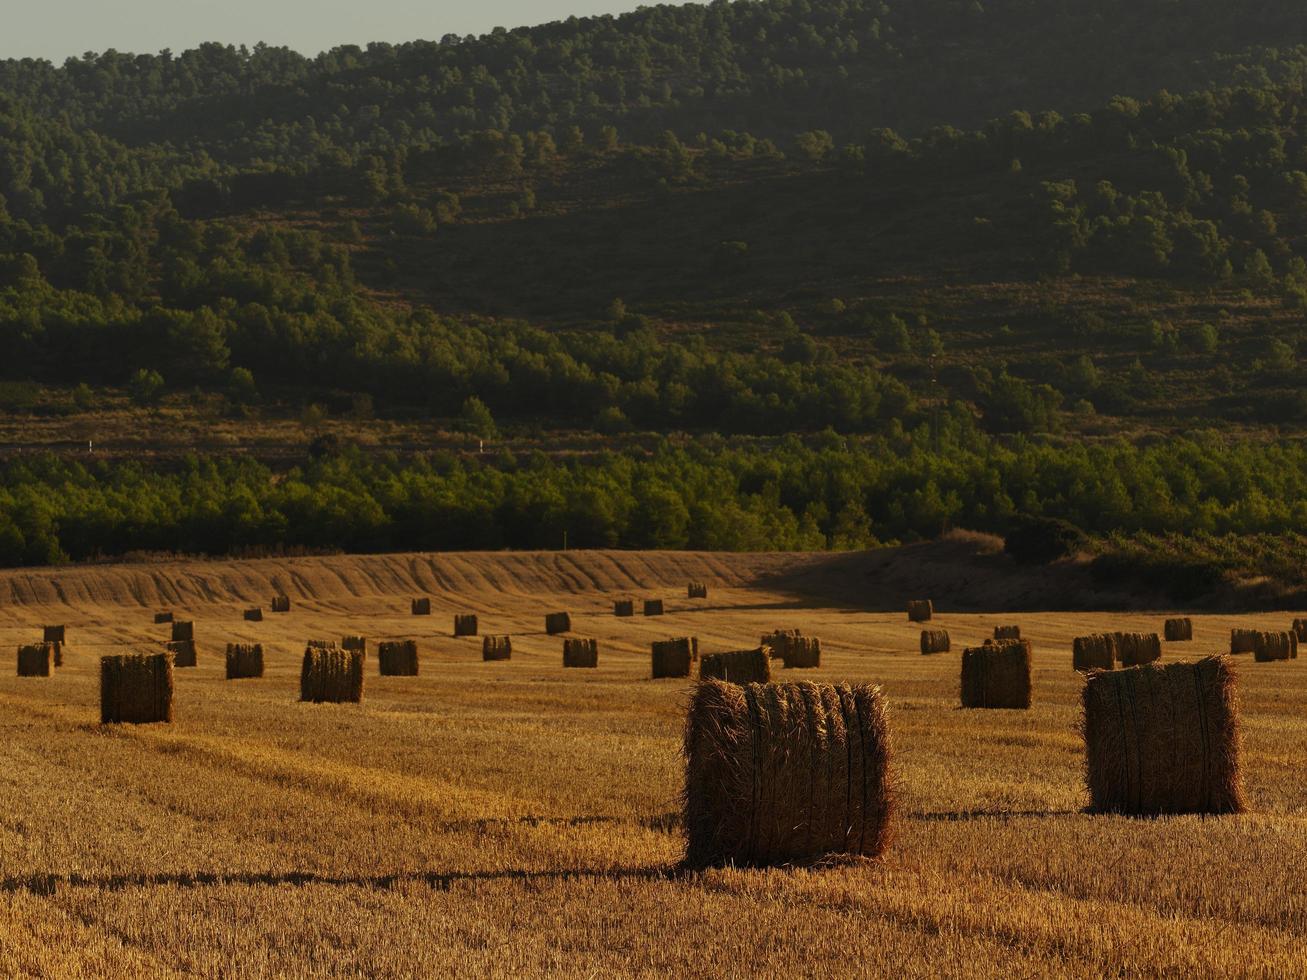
(331, 675)
(672, 658)
(803, 653)
(321, 644)
(355, 644)
(624, 608)
(1164, 739)
(1136, 649)
(1179, 630)
(57, 652)
(697, 590)
(162, 617)
(778, 642)
(1007, 632)
(254, 615)
(421, 607)
(496, 648)
(1300, 630)
(465, 624)
(244, 661)
(136, 689)
(935, 641)
(737, 667)
(1094, 652)
(653, 607)
(1273, 646)
(580, 653)
(55, 634)
(997, 675)
(786, 773)
(1243, 641)
(183, 630)
(36, 660)
(183, 653)
(281, 603)
(398, 658)
(920, 610)
(559, 622)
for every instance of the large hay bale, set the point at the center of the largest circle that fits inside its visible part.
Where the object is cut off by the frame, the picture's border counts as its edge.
(737, 667)
(281, 603)
(1163, 739)
(36, 660)
(183, 653)
(672, 658)
(624, 608)
(355, 644)
(803, 653)
(997, 675)
(935, 641)
(559, 622)
(1136, 649)
(331, 675)
(1300, 629)
(465, 624)
(136, 689)
(1273, 646)
(920, 610)
(162, 617)
(183, 630)
(1243, 641)
(1007, 632)
(254, 615)
(398, 658)
(1179, 630)
(244, 660)
(1094, 652)
(580, 653)
(55, 634)
(497, 648)
(786, 773)
(420, 607)
(697, 590)
(653, 607)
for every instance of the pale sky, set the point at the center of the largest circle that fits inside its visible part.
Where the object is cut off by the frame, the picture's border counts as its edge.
(58, 29)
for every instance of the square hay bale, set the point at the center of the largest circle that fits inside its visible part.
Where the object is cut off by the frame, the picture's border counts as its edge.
(697, 590)
(331, 675)
(786, 773)
(57, 652)
(162, 617)
(183, 653)
(497, 648)
(36, 660)
(254, 615)
(398, 658)
(778, 642)
(465, 624)
(623, 608)
(920, 610)
(653, 607)
(1300, 629)
(1273, 646)
(559, 622)
(1243, 641)
(1179, 630)
(1094, 652)
(421, 607)
(244, 661)
(281, 603)
(803, 653)
(1136, 649)
(1007, 632)
(355, 644)
(997, 676)
(580, 653)
(55, 634)
(935, 641)
(183, 630)
(1163, 739)
(672, 658)
(737, 667)
(136, 689)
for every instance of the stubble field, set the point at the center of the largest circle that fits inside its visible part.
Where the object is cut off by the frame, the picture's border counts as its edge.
(488, 819)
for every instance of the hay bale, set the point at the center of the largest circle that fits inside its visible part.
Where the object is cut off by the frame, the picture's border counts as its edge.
(244, 660)
(935, 641)
(1163, 739)
(1007, 632)
(697, 590)
(162, 617)
(580, 653)
(803, 653)
(738, 667)
(920, 610)
(331, 675)
(624, 608)
(55, 634)
(1180, 630)
(321, 644)
(786, 773)
(653, 607)
(136, 689)
(254, 615)
(1273, 646)
(421, 607)
(672, 658)
(465, 624)
(36, 660)
(1136, 649)
(1300, 629)
(281, 603)
(57, 652)
(183, 630)
(1243, 641)
(183, 653)
(778, 642)
(355, 644)
(997, 675)
(497, 648)
(1094, 652)
(559, 622)
(398, 658)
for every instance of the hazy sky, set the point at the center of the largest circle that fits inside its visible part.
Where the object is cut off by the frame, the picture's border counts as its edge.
(57, 29)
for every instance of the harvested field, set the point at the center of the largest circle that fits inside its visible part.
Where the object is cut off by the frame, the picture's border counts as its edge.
(523, 818)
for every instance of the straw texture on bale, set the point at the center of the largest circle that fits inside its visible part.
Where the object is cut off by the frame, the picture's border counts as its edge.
(697, 590)
(497, 648)
(465, 624)
(1007, 632)
(997, 675)
(398, 658)
(183, 630)
(935, 641)
(1276, 646)
(672, 658)
(183, 653)
(254, 615)
(1164, 739)
(281, 603)
(1243, 640)
(244, 660)
(559, 622)
(786, 773)
(624, 608)
(653, 607)
(136, 689)
(737, 667)
(162, 617)
(1094, 652)
(358, 644)
(1136, 649)
(1180, 630)
(803, 653)
(580, 653)
(55, 634)
(331, 675)
(421, 607)
(36, 660)
(920, 610)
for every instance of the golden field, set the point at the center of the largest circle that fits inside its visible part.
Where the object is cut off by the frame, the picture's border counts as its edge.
(489, 819)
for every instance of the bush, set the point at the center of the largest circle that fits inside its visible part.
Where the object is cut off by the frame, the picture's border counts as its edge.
(145, 387)
(1041, 540)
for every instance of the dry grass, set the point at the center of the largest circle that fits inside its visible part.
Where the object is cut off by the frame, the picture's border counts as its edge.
(523, 819)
